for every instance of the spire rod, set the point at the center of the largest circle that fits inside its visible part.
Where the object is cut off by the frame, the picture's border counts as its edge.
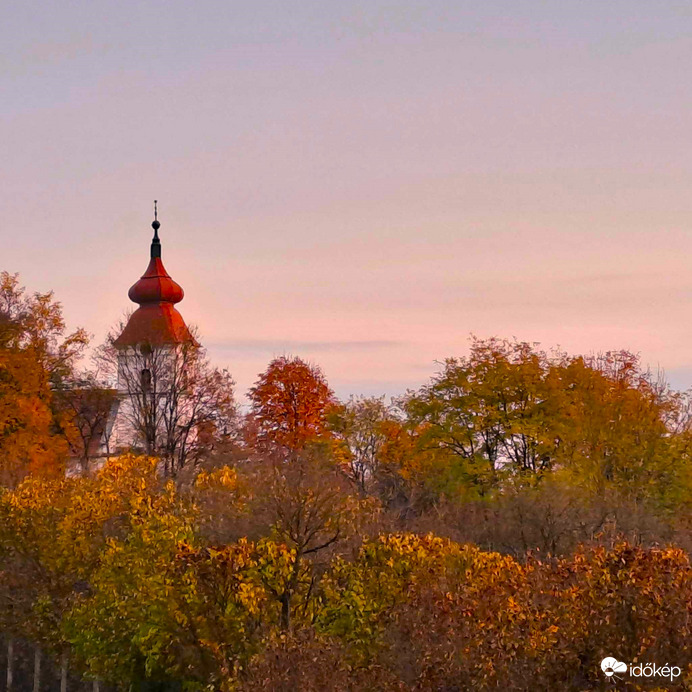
(156, 243)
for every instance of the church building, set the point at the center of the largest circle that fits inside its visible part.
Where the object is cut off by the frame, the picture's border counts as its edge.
(149, 351)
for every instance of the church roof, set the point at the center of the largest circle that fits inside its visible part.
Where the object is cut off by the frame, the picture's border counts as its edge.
(156, 322)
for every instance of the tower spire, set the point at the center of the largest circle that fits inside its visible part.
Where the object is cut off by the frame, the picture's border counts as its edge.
(156, 243)
(156, 321)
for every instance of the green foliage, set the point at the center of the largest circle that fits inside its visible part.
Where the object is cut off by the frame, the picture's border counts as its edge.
(357, 595)
(123, 627)
(52, 536)
(511, 414)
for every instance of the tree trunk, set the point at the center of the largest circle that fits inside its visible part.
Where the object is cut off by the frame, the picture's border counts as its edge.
(37, 669)
(10, 663)
(63, 673)
(285, 611)
(96, 686)
(287, 595)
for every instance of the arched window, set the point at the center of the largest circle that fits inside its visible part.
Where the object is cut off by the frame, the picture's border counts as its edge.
(146, 379)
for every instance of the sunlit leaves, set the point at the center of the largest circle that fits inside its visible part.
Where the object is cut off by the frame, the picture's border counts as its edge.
(290, 402)
(35, 357)
(511, 412)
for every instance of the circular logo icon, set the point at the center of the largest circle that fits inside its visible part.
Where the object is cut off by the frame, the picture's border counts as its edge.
(610, 666)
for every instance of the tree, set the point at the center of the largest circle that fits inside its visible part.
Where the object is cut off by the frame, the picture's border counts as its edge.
(510, 413)
(52, 532)
(492, 411)
(361, 425)
(35, 323)
(225, 602)
(543, 624)
(124, 627)
(178, 406)
(159, 607)
(357, 596)
(622, 432)
(308, 505)
(35, 358)
(89, 406)
(290, 402)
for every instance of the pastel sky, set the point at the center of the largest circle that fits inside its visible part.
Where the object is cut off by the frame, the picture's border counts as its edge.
(361, 183)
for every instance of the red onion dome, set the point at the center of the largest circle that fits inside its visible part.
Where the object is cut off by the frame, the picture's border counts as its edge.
(156, 286)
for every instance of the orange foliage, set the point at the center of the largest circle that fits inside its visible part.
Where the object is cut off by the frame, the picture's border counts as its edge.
(290, 402)
(27, 444)
(424, 613)
(542, 625)
(35, 357)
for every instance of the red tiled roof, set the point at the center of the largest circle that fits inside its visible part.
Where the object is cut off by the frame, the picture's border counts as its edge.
(155, 324)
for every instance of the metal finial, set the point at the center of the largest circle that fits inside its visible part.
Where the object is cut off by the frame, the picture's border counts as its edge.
(156, 243)
(156, 225)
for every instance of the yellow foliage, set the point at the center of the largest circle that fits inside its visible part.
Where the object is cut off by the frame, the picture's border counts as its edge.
(225, 478)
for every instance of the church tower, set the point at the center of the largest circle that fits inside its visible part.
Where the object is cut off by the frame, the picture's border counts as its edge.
(156, 321)
(149, 356)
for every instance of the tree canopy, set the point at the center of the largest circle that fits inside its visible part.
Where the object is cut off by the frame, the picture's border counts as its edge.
(521, 516)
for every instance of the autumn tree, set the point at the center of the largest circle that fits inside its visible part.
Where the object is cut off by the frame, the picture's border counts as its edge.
(361, 425)
(510, 413)
(226, 599)
(52, 532)
(125, 627)
(36, 356)
(621, 430)
(36, 323)
(491, 411)
(544, 624)
(161, 606)
(307, 505)
(422, 612)
(290, 401)
(311, 509)
(382, 456)
(89, 405)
